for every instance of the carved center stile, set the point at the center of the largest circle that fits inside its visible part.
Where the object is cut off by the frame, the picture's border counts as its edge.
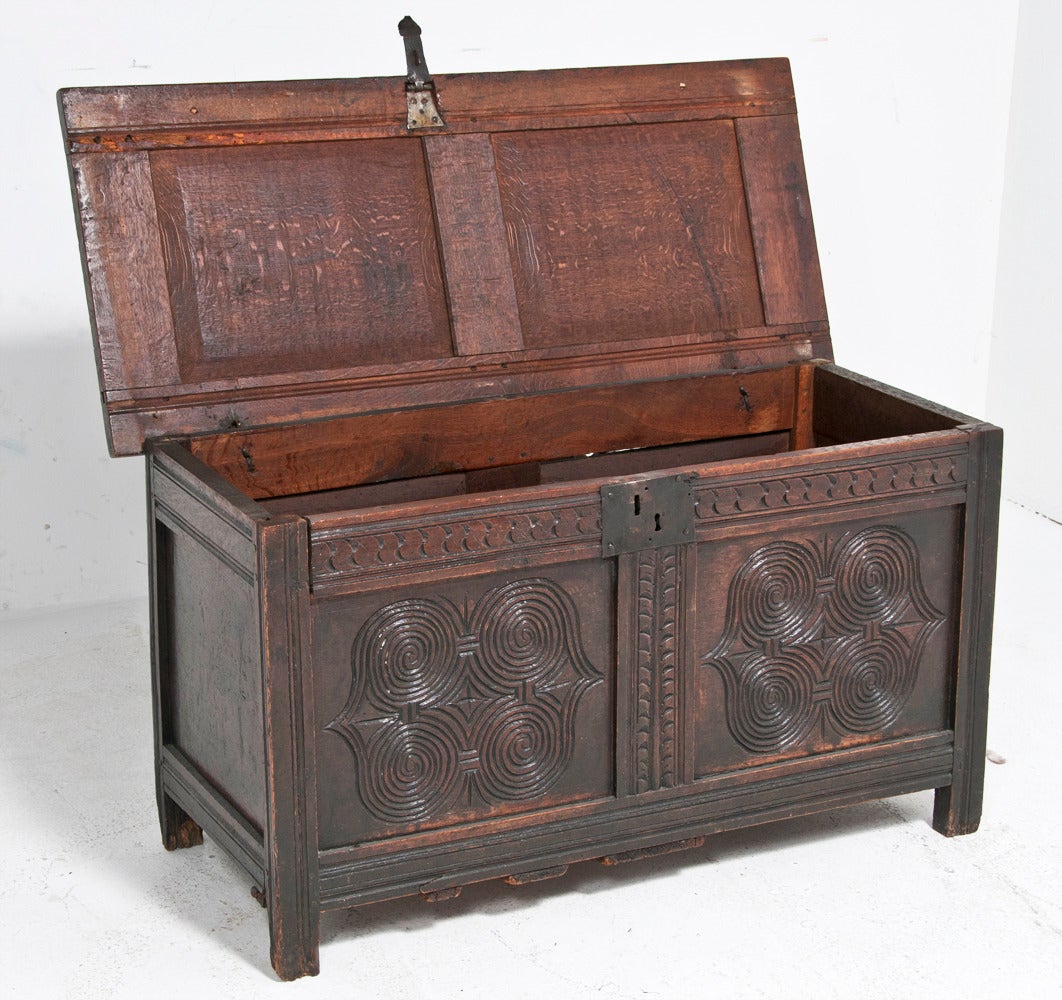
(451, 706)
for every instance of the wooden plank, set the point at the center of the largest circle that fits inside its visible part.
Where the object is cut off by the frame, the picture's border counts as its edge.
(780, 212)
(374, 448)
(123, 118)
(125, 272)
(803, 434)
(479, 281)
(225, 406)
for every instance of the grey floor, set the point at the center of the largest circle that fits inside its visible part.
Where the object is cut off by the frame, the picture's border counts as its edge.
(862, 902)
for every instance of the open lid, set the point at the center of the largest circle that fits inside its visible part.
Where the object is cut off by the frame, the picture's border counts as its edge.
(266, 253)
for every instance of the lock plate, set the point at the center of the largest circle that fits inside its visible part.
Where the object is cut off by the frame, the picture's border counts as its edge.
(646, 514)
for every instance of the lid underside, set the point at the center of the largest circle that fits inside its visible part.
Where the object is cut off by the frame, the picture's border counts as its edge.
(270, 253)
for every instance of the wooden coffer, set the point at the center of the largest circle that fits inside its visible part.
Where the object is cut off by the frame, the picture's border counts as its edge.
(505, 507)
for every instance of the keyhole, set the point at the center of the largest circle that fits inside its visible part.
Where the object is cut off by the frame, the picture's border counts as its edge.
(657, 517)
(637, 504)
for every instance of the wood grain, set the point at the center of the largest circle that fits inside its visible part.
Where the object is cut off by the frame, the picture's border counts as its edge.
(777, 190)
(292, 259)
(122, 118)
(618, 234)
(374, 448)
(468, 212)
(124, 272)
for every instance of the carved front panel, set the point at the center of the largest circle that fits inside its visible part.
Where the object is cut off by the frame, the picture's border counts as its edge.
(824, 637)
(462, 700)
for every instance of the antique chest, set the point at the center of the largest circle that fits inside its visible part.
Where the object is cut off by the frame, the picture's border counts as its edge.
(505, 507)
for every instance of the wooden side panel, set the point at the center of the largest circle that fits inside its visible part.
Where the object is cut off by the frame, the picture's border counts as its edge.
(463, 699)
(780, 210)
(124, 271)
(851, 407)
(622, 234)
(209, 683)
(468, 213)
(825, 634)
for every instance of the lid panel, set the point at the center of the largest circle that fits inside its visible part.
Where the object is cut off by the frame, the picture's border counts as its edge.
(266, 254)
(287, 258)
(628, 233)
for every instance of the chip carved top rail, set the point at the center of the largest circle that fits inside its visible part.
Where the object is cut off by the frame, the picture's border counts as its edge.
(741, 496)
(372, 547)
(455, 536)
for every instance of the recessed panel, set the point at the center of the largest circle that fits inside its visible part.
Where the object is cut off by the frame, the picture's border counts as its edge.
(824, 637)
(463, 700)
(628, 233)
(300, 257)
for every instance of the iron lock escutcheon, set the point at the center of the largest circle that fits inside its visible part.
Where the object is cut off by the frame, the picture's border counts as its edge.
(647, 514)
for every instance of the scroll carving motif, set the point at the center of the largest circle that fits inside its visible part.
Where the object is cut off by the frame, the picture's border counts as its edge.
(819, 635)
(449, 704)
(829, 486)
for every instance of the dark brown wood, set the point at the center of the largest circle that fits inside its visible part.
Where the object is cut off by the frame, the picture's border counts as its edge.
(504, 509)
(542, 875)
(658, 851)
(290, 736)
(299, 259)
(957, 807)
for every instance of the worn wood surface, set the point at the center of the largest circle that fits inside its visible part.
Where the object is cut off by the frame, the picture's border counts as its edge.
(386, 383)
(121, 118)
(319, 456)
(261, 254)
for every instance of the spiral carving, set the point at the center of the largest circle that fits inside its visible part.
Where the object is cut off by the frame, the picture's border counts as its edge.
(407, 654)
(523, 632)
(410, 770)
(482, 700)
(814, 633)
(774, 594)
(772, 703)
(872, 680)
(874, 571)
(522, 751)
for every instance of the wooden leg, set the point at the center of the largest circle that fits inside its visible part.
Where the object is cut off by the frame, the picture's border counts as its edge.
(955, 814)
(178, 828)
(291, 889)
(957, 808)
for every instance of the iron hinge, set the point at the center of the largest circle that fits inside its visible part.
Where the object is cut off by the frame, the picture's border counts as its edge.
(422, 102)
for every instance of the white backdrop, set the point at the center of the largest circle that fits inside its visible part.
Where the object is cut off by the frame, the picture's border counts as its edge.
(903, 106)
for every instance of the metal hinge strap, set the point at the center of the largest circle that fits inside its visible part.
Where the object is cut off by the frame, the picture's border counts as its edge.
(422, 103)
